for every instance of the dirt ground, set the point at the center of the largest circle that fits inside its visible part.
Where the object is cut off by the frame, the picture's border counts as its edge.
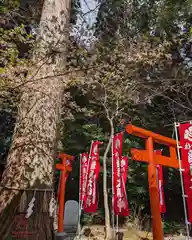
(96, 232)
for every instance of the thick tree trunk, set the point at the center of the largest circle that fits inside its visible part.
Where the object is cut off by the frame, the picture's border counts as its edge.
(108, 231)
(30, 163)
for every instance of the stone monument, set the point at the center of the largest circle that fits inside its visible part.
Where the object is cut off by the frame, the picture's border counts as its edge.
(71, 216)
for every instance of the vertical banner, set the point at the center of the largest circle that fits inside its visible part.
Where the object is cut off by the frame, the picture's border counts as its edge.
(91, 200)
(120, 167)
(185, 133)
(160, 185)
(84, 161)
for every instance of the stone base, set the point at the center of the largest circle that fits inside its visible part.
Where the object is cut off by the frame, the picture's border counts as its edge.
(61, 236)
(65, 236)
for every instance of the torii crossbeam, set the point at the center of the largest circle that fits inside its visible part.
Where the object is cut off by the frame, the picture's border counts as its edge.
(153, 159)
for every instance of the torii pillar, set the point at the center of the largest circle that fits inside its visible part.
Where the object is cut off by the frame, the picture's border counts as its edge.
(65, 168)
(154, 159)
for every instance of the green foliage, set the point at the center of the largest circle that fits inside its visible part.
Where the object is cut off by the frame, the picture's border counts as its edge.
(9, 5)
(96, 218)
(129, 18)
(12, 41)
(92, 131)
(78, 136)
(6, 130)
(173, 228)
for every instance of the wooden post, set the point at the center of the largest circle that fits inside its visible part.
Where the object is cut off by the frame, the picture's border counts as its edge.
(154, 193)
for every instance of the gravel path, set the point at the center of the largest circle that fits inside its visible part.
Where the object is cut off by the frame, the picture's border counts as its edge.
(97, 233)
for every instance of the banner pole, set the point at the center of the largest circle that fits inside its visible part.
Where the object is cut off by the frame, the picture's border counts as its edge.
(181, 177)
(113, 216)
(117, 223)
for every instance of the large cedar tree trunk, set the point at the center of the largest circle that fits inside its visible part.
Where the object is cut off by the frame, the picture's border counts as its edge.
(30, 163)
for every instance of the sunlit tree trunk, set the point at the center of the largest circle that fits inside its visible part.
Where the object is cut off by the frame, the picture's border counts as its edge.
(108, 231)
(30, 163)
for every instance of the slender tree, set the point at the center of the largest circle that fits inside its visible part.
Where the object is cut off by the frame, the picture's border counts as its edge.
(30, 163)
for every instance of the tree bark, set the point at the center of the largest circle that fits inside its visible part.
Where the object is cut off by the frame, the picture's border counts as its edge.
(108, 234)
(30, 163)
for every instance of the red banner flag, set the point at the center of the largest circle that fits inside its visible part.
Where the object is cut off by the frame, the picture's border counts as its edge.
(120, 166)
(91, 199)
(160, 185)
(185, 132)
(83, 177)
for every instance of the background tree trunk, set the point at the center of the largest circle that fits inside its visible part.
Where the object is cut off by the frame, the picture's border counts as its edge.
(108, 235)
(30, 163)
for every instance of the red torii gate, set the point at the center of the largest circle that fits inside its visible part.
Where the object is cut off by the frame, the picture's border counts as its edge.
(149, 156)
(65, 168)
